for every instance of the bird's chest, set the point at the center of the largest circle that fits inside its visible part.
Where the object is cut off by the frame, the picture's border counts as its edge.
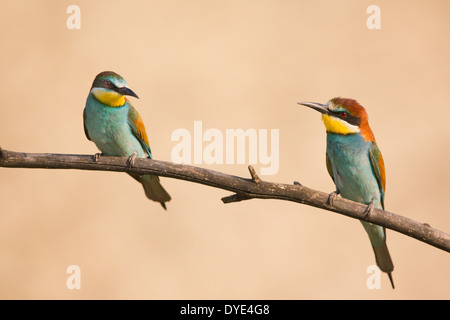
(352, 169)
(108, 128)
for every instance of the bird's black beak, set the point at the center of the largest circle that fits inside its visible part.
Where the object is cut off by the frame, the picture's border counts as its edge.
(127, 92)
(316, 106)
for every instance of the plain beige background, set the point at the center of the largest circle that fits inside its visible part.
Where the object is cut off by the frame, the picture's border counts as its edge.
(231, 64)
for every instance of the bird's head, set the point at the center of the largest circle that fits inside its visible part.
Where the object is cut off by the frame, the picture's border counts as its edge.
(343, 116)
(110, 89)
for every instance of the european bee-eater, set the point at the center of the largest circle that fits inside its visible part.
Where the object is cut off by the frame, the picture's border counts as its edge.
(116, 128)
(356, 166)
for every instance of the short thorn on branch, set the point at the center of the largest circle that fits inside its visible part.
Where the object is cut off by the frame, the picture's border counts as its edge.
(255, 177)
(239, 196)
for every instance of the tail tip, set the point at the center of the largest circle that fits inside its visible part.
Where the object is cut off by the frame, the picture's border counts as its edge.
(391, 279)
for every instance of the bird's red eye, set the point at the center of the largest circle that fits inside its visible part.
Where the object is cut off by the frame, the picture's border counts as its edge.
(107, 83)
(343, 114)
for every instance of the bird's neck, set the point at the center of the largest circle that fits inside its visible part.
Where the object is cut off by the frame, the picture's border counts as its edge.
(346, 146)
(351, 139)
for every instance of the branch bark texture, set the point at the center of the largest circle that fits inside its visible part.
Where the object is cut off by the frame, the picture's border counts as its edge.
(242, 189)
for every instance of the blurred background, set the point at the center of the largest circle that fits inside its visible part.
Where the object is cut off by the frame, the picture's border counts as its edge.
(231, 64)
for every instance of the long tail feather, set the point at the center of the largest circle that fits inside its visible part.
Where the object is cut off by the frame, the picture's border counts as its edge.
(384, 260)
(153, 189)
(377, 236)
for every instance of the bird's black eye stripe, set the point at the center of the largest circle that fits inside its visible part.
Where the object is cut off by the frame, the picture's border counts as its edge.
(101, 83)
(346, 116)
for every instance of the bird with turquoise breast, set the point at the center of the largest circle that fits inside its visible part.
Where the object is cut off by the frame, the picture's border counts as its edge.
(356, 166)
(116, 128)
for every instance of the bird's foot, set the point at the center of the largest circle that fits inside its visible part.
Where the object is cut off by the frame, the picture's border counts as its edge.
(296, 183)
(368, 211)
(131, 159)
(97, 156)
(331, 197)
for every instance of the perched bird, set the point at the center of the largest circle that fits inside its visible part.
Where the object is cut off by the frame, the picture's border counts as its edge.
(116, 128)
(356, 166)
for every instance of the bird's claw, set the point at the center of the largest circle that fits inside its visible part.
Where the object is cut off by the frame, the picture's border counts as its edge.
(296, 183)
(368, 211)
(331, 197)
(131, 160)
(96, 156)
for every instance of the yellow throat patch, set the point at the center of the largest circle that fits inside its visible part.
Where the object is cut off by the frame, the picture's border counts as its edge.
(335, 125)
(109, 98)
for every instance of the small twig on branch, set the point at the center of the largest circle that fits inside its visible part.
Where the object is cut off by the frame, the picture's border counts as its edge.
(243, 189)
(241, 196)
(235, 198)
(255, 177)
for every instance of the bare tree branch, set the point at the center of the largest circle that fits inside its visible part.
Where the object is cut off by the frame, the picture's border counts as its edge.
(243, 189)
